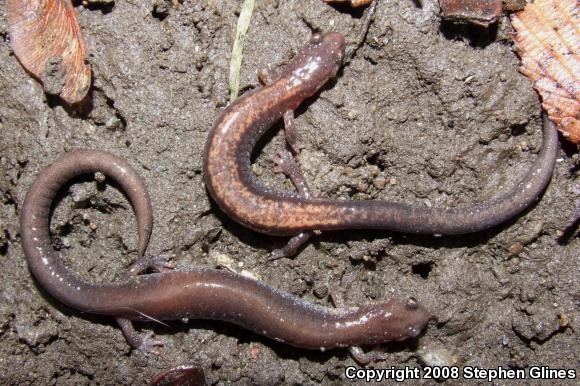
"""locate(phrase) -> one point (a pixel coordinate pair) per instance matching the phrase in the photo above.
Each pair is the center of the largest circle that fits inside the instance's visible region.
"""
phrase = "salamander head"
(395, 320)
(317, 62)
(331, 46)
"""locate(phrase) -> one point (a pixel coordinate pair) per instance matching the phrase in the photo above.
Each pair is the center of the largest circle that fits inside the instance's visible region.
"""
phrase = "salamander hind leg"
(145, 343)
(286, 164)
(156, 263)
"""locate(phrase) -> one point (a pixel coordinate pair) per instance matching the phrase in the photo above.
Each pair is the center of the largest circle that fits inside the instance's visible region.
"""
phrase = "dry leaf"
(353, 3)
(548, 41)
(46, 38)
(480, 12)
(182, 375)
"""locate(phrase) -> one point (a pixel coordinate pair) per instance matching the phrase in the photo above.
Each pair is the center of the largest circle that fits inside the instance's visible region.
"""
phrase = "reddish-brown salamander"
(200, 293)
(237, 191)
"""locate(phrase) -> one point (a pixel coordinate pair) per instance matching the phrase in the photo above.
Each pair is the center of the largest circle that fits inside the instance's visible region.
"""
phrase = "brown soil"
(425, 113)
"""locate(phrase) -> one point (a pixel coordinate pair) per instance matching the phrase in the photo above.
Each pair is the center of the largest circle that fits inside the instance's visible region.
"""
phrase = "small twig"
(362, 34)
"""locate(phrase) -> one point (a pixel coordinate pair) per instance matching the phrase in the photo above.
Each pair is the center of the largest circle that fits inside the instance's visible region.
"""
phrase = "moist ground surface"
(429, 114)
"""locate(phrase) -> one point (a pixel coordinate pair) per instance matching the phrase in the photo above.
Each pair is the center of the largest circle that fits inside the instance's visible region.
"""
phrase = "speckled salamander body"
(237, 191)
(200, 293)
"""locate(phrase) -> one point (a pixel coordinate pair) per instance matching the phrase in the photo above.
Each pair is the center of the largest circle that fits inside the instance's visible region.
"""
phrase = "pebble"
(320, 291)
(34, 335)
(435, 355)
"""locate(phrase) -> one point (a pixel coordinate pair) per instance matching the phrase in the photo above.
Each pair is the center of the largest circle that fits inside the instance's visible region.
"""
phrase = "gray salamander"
(199, 293)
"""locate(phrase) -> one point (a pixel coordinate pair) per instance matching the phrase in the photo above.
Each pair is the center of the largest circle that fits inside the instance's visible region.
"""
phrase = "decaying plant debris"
(547, 40)
(46, 38)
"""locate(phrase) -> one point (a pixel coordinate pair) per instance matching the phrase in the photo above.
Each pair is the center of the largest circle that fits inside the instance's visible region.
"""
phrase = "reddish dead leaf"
(180, 376)
(46, 38)
(481, 12)
(353, 3)
(548, 41)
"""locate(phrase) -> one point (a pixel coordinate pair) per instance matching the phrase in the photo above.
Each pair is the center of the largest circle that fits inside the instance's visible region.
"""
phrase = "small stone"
(257, 170)
(515, 249)
(379, 182)
(434, 355)
(100, 177)
(34, 335)
(218, 363)
(320, 291)
(564, 321)
(113, 123)
(374, 170)
(66, 242)
(362, 187)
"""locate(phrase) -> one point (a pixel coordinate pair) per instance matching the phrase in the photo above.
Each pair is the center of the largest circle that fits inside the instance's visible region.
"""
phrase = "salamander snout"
(331, 47)
(315, 64)
(395, 319)
(417, 317)
(414, 319)
(336, 45)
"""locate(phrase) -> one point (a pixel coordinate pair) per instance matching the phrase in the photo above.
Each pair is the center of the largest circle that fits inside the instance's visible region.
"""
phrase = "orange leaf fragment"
(47, 40)
(353, 3)
(548, 41)
(481, 12)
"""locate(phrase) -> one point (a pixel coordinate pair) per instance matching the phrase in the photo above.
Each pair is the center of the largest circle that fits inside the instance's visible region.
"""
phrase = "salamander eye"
(412, 304)
(316, 38)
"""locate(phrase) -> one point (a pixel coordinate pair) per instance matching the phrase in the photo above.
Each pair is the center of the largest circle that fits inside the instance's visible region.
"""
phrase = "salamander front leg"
(285, 163)
(364, 358)
(267, 77)
(292, 246)
(360, 357)
(572, 229)
(291, 133)
(144, 342)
